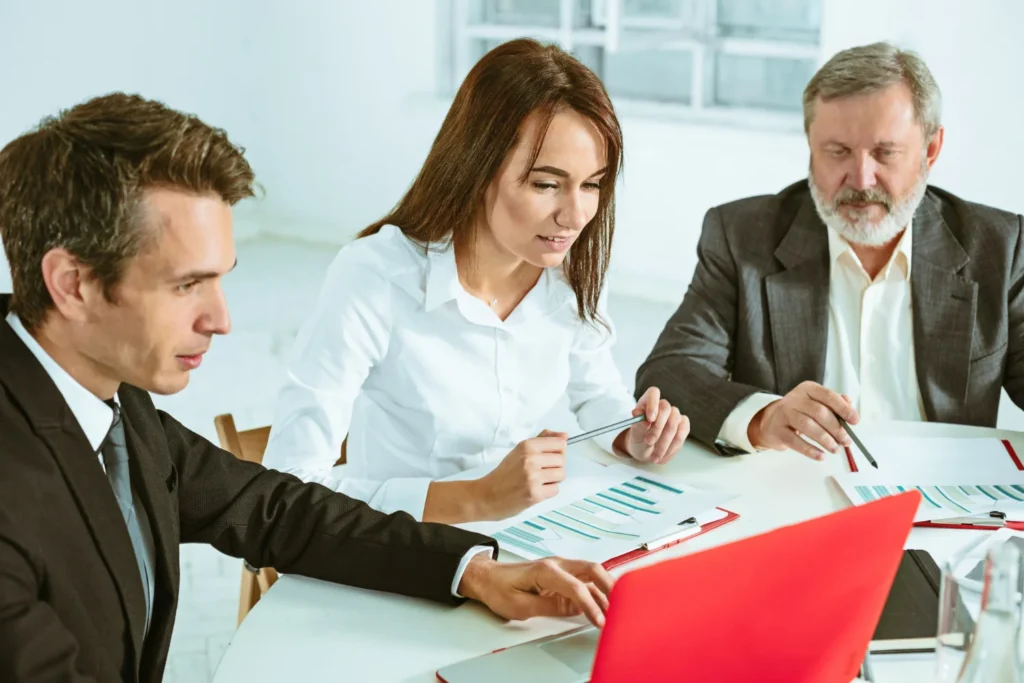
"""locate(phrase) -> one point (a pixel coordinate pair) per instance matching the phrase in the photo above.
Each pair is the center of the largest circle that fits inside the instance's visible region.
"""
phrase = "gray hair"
(870, 68)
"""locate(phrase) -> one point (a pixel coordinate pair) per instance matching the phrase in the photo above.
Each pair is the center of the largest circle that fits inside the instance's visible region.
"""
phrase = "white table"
(305, 629)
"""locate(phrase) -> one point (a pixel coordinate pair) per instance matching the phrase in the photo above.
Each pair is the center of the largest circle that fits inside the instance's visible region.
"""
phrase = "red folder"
(1017, 526)
(641, 552)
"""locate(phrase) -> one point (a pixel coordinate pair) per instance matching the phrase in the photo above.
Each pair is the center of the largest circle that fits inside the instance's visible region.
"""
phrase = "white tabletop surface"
(305, 629)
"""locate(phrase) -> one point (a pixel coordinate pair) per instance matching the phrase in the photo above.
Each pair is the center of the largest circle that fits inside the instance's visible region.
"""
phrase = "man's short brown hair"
(76, 182)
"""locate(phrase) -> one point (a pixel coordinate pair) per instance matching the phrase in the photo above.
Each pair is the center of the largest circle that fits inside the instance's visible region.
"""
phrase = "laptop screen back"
(797, 604)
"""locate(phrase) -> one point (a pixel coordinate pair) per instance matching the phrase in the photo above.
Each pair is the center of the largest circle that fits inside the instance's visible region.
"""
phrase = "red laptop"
(798, 604)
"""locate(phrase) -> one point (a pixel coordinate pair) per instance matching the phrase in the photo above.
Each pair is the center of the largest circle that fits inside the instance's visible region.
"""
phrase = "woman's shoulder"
(386, 257)
(388, 250)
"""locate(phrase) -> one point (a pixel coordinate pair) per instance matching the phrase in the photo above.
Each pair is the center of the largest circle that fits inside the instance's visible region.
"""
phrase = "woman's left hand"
(661, 436)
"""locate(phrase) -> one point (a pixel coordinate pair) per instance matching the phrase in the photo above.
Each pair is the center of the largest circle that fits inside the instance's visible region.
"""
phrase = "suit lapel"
(944, 306)
(54, 423)
(798, 302)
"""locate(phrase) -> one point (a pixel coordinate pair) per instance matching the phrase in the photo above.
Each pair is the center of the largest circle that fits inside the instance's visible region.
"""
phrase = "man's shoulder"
(766, 217)
(791, 196)
(972, 216)
(22, 451)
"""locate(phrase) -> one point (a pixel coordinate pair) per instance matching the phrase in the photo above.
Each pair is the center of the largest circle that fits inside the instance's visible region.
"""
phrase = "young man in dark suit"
(116, 219)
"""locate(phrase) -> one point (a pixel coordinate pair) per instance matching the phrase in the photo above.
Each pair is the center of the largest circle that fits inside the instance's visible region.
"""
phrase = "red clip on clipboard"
(643, 552)
(1016, 526)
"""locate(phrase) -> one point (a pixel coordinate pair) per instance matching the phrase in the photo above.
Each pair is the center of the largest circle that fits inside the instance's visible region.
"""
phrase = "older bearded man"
(860, 292)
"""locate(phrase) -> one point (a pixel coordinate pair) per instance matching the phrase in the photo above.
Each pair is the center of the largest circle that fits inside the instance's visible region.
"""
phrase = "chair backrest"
(249, 445)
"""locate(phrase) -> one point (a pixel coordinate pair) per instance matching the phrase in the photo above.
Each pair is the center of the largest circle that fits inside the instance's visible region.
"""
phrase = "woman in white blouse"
(453, 325)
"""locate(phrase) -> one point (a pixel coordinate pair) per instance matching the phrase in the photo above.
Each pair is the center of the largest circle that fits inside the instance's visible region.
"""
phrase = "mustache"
(849, 195)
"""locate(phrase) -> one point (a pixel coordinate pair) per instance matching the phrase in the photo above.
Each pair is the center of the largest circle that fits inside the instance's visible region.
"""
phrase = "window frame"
(457, 36)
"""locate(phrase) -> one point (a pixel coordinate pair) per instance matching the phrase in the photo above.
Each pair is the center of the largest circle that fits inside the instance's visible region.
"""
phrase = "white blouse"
(425, 379)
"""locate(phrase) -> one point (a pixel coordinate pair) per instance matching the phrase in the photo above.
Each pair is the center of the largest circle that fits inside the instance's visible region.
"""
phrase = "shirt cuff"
(734, 429)
(473, 552)
(607, 443)
(405, 494)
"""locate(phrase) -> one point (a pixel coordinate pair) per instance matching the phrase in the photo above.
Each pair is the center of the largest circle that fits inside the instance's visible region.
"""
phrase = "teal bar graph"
(597, 517)
(956, 500)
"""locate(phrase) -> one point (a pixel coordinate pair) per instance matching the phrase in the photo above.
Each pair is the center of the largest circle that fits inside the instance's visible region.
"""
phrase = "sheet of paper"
(940, 499)
(938, 460)
(600, 512)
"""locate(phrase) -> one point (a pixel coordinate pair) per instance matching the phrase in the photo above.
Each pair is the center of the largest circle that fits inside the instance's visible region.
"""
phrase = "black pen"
(860, 444)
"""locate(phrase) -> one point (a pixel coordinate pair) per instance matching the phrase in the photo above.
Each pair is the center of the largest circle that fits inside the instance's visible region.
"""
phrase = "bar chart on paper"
(608, 521)
(939, 501)
(600, 512)
(611, 514)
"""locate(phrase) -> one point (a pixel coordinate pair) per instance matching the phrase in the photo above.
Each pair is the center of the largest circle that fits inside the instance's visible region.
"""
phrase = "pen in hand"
(860, 444)
(618, 426)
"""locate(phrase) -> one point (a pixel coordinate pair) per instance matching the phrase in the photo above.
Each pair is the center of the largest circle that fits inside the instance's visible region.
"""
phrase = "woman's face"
(538, 221)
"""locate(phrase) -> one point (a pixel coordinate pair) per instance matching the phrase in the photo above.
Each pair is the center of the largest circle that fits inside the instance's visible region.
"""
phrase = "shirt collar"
(551, 292)
(901, 255)
(93, 415)
(442, 276)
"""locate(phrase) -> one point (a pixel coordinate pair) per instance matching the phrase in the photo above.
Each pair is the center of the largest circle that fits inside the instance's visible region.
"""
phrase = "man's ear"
(68, 282)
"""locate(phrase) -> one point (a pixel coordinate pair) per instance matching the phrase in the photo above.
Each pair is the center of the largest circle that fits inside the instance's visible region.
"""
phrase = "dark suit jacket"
(755, 317)
(71, 600)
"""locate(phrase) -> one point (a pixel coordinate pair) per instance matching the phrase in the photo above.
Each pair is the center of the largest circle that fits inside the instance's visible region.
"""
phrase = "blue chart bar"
(592, 519)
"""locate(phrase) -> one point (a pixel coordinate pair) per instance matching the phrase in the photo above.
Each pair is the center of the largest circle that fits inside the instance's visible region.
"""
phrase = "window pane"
(543, 13)
(761, 82)
(789, 20)
(660, 13)
(516, 12)
(658, 75)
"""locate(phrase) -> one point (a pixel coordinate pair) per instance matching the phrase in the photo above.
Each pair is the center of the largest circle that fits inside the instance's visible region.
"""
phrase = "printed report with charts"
(961, 481)
(601, 512)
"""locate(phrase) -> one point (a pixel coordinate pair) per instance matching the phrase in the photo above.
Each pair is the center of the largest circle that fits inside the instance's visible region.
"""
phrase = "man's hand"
(552, 587)
(661, 436)
(809, 409)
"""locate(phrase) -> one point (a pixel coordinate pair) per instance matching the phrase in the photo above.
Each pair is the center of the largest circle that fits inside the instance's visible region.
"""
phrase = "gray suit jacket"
(755, 317)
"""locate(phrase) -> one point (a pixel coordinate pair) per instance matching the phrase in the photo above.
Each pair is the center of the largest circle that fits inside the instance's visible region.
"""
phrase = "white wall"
(197, 56)
(345, 131)
(333, 101)
(192, 54)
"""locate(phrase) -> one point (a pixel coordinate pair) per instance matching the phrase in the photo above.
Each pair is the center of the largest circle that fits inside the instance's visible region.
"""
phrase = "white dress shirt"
(95, 418)
(425, 379)
(870, 351)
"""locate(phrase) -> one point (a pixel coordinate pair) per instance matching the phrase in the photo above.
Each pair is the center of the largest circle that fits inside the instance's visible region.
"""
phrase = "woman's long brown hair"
(511, 82)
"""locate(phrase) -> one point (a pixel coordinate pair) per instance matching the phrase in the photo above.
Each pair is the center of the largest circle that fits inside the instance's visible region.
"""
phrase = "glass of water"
(960, 605)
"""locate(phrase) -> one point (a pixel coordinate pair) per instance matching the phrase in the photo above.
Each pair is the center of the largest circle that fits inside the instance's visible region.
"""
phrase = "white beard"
(861, 229)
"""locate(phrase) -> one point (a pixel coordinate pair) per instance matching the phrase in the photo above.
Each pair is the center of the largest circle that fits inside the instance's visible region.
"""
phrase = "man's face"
(169, 303)
(869, 163)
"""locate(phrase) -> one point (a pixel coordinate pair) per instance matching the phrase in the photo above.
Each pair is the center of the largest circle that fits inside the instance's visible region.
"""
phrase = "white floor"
(270, 293)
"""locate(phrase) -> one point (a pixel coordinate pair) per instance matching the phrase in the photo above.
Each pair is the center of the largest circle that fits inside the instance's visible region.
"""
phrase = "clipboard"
(997, 522)
(643, 552)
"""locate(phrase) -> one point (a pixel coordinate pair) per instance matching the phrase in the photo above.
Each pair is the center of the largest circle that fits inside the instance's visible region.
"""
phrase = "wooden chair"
(249, 445)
